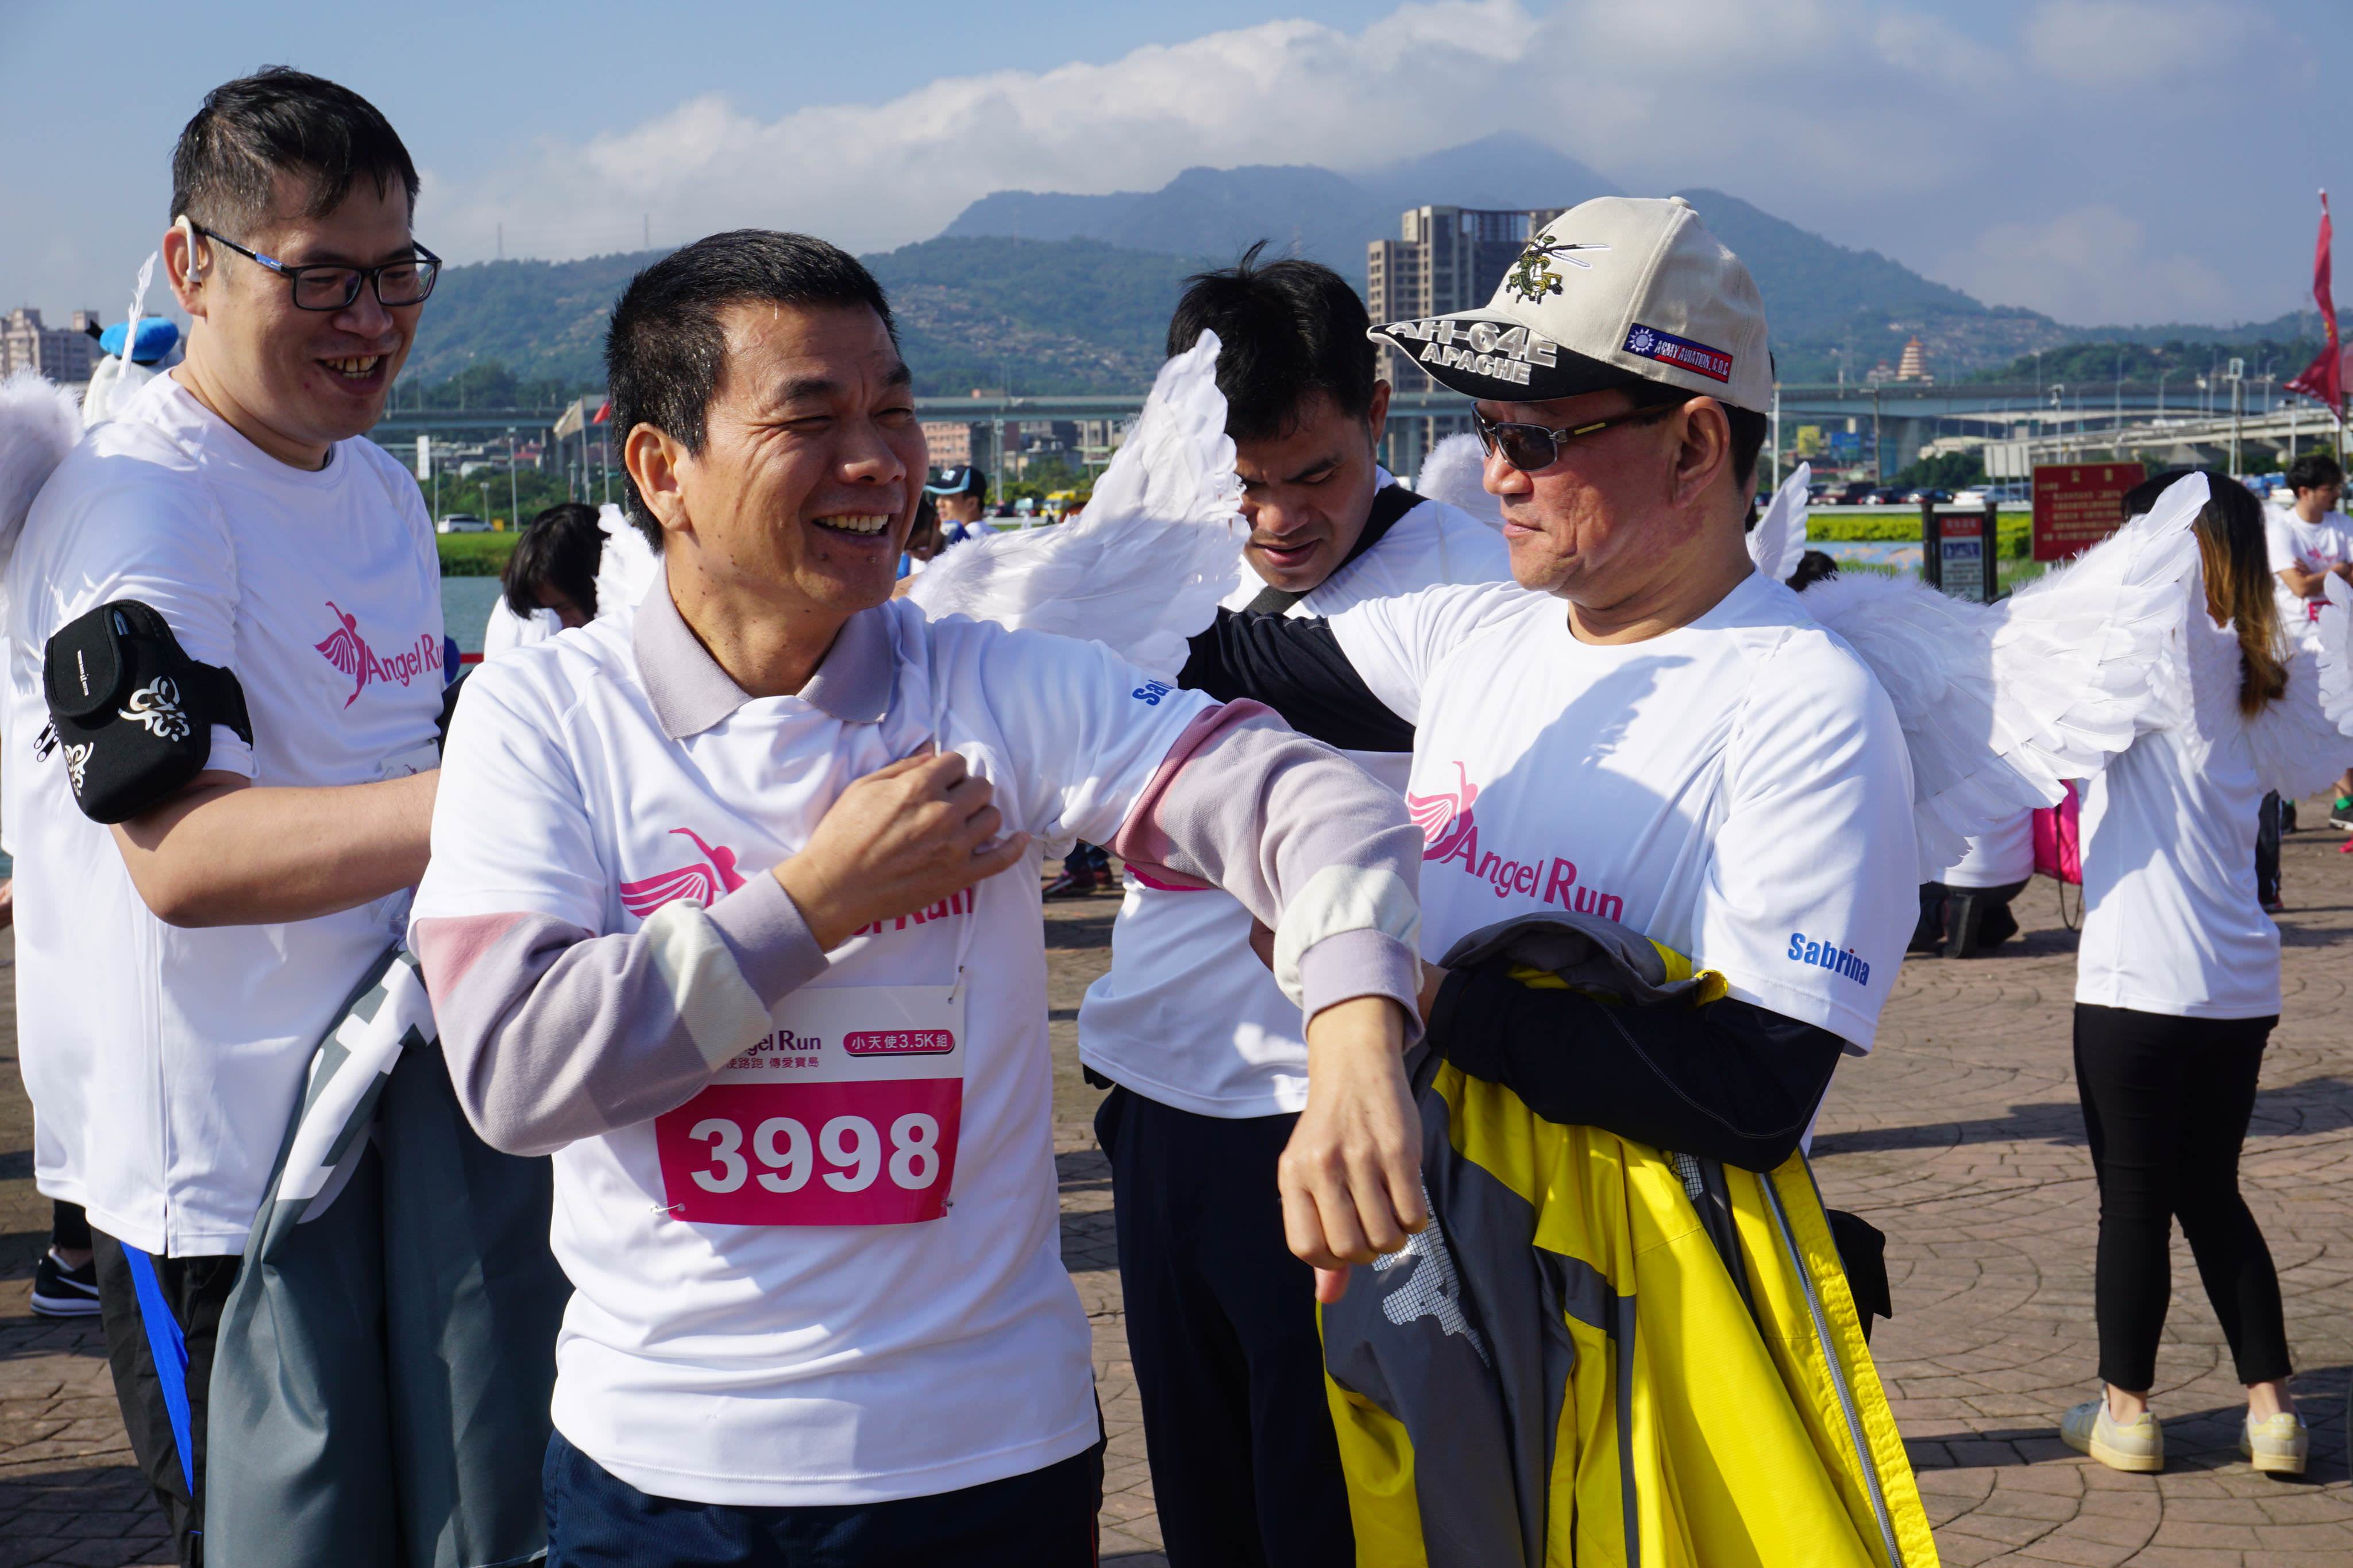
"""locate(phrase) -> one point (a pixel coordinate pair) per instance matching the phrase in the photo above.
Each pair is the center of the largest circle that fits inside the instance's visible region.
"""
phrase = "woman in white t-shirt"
(2177, 987)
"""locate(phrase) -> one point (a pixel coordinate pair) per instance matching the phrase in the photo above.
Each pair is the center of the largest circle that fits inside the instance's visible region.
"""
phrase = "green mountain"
(1069, 316)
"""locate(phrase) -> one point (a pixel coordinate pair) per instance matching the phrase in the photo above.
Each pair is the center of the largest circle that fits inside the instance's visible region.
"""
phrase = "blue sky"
(2101, 159)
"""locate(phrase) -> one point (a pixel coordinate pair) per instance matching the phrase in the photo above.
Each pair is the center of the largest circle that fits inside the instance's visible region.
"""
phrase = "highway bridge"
(1899, 420)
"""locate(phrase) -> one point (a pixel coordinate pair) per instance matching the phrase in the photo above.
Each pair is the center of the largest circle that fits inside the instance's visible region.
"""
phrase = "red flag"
(2323, 378)
(603, 412)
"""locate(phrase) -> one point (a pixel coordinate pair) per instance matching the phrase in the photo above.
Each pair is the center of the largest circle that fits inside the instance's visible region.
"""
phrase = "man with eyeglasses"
(177, 969)
(1644, 733)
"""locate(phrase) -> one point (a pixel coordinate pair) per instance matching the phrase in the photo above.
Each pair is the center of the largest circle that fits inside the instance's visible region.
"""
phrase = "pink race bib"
(846, 1113)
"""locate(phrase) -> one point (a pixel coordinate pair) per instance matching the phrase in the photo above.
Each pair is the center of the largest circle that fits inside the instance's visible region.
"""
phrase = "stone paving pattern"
(1959, 1137)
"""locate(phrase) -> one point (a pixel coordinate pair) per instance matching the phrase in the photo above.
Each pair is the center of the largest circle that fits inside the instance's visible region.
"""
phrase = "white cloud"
(1707, 91)
(1880, 122)
(2129, 43)
(2091, 266)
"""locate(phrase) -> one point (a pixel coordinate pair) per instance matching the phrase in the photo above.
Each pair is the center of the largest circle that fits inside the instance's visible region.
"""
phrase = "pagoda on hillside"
(1915, 363)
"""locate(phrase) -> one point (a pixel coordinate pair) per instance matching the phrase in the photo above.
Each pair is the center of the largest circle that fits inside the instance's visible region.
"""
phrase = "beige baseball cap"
(1618, 290)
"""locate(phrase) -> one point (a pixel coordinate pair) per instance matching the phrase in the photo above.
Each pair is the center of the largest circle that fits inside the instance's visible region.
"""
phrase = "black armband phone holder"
(132, 712)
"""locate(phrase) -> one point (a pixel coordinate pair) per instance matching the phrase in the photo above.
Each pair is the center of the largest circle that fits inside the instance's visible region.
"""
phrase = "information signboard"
(1961, 553)
(2076, 505)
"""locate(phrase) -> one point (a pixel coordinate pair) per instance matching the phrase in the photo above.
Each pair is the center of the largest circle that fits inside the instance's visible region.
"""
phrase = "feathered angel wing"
(1779, 537)
(1452, 474)
(2000, 703)
(627, 568)
(1143, 567)
(39, 424)
(2304, 738)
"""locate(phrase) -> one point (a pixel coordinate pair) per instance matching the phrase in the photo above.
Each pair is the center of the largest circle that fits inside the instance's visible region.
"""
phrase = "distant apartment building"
(954, 442)
(1449, 259)
(67, 354)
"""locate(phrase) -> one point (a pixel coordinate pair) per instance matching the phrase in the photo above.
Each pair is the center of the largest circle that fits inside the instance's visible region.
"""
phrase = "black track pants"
(160, 1316)
(2166, 1103)
(1222, 1328)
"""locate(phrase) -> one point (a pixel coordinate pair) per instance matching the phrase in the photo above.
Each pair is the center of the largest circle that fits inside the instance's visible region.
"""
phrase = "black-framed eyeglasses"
(1532, 448)
(328, 287)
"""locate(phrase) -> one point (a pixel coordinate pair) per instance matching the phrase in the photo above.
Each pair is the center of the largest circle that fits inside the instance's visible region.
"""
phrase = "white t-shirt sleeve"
(147, 532)
(1394, 643)
(510, 828)
(1811, 891)
(1084, 730)
(2279, 538)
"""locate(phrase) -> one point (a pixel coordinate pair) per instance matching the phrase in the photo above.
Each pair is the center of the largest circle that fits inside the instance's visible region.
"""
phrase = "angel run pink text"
(1554, 880)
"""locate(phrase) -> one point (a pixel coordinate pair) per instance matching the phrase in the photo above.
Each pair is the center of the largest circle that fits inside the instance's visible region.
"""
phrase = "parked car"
(1926, 493)
(461, 522)
(1890, 495)
(1856, 494)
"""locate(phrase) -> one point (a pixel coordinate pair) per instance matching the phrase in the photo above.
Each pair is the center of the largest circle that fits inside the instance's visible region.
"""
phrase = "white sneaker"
(2135, 1447)
(2276, 1444)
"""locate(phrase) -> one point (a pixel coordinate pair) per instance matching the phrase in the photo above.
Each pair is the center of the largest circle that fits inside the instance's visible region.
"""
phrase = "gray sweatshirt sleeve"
(553, 1033)
(1311, 845)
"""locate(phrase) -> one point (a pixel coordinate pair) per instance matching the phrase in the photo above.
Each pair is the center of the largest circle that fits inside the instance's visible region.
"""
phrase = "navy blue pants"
(1044, 1519)
(1221, 1328)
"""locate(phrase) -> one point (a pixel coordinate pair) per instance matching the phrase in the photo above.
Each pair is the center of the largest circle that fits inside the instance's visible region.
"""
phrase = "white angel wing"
(1779, 537)
(2302, 738)
(1452, 474)
(2000, 703)
(1143, 567)
(39, 424)
(628, 566)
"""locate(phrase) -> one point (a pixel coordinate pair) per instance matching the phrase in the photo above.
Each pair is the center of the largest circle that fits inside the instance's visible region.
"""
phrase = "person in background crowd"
(1965, 909)
(176, 971)
(961, 493)
(922, 541)
(64, 1282)
(2307, 544)
(549, 583)
(2177, 986)
(1086, 870)
(1203, 1054)
(819, 1312)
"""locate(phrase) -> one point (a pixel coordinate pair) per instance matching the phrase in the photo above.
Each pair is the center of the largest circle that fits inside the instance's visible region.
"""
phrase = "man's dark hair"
(666, 349)
(2313, 472)
(1286, 330)
(225, 169)
(559, 550)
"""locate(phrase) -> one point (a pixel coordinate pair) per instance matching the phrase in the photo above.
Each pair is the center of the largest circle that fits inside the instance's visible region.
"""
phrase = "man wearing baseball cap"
(959, 492)
(1652, 740)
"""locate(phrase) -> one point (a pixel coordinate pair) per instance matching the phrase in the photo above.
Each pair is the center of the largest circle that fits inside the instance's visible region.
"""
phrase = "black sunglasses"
(1532, 448)
(327, 287)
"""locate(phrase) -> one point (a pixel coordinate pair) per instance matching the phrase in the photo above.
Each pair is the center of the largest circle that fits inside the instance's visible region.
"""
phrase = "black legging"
(2166, 1103)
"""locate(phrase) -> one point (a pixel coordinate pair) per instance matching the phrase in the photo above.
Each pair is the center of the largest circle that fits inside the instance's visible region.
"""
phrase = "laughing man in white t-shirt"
(714, 915)
(1657, 736)
(176, 971)
(2309, 544)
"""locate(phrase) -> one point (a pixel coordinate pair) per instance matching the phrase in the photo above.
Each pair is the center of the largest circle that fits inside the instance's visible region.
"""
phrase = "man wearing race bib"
(715, 915)
(1655, 737)
(1205, 1050)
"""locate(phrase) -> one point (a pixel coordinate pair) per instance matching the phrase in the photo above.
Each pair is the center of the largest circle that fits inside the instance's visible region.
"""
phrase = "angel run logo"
(348, 651)
(1451, 838)
(701, 880)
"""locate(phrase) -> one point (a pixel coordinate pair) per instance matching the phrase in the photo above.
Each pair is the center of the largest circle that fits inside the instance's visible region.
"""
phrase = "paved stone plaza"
(1959, 1138)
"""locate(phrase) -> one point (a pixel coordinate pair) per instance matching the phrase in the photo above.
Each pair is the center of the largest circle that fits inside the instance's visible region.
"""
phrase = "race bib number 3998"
(846, 1113)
